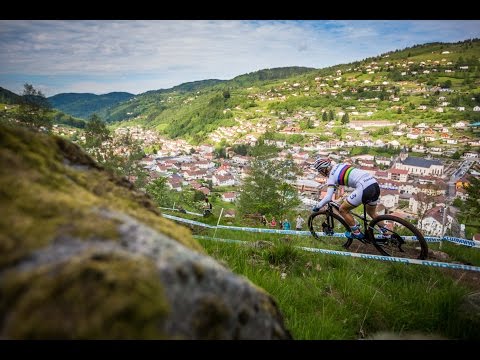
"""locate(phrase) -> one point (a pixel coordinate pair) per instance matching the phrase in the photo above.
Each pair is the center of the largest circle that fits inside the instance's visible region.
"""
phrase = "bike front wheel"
(401, 239)
(326, 224)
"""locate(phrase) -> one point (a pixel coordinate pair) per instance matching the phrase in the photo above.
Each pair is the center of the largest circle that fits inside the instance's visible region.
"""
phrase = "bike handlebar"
(334, 204)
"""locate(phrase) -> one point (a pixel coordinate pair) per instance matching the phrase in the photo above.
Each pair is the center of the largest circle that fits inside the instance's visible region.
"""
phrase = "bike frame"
(333, 205)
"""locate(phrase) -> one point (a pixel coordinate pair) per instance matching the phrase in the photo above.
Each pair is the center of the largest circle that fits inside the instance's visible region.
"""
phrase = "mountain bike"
(401, 239)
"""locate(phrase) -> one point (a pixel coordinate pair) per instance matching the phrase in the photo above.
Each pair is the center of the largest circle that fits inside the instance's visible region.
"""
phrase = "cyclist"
(207, 208)
(366, 191)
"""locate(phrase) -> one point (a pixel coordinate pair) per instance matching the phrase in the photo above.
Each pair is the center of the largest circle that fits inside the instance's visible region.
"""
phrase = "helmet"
(322, 163)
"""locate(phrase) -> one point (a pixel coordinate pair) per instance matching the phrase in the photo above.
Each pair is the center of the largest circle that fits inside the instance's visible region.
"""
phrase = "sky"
(135, 56)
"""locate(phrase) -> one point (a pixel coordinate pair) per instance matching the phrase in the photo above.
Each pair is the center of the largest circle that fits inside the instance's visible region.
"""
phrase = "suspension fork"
(330, 217)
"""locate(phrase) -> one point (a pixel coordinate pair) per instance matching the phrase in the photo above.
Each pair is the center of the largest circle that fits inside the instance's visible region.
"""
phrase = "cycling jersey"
(347, 175)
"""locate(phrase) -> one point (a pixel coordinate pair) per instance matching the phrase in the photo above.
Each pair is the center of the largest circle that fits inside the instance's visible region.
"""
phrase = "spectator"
(264, 220)
(273, 223)
(181, 209)
(286, 224)
(299, 223)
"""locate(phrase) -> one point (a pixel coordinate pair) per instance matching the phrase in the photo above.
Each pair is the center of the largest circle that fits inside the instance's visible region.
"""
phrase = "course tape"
(362, 256)
(187, 221)
(465, 242)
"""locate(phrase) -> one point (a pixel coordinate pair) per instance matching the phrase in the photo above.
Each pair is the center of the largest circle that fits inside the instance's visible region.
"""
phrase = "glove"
(315, 208)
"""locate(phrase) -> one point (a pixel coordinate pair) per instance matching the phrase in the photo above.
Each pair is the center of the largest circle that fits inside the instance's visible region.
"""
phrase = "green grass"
(331, 297)
(457, 252)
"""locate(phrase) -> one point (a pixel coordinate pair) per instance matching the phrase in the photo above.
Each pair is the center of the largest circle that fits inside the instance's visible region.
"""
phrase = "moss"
(41, 196)
(90, 297)
(37, 214)
(37, 150)
(74, 154)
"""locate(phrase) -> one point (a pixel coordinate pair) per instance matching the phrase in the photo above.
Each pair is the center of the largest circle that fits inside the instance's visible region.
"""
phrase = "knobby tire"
(415, 250)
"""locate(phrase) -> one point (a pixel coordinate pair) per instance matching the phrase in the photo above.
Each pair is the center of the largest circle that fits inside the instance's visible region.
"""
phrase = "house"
(204, 190)
(420, 202)
(195, 184)
(389, 198)
(386, 183)
(229, 196)
(226, 180)
(307, 186)
(174, 183)
(436, 222)
(439, 187)
(230, 213)
(470, 155)
(461, 193)
(241, 160)
(382, 161)
(399, 175)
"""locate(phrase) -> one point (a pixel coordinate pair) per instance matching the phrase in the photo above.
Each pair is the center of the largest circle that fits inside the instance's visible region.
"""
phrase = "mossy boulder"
(83, 255)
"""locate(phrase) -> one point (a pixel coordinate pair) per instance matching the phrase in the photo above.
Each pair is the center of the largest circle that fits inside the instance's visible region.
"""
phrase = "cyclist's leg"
(345, 209)
(370, 199)
(372, 210)
(350, 203)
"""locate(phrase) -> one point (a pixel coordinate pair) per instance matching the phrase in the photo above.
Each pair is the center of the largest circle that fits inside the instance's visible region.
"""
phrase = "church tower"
(403, 154)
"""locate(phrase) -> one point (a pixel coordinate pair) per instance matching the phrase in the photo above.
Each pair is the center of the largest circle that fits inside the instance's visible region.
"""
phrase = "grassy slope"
(325, 297)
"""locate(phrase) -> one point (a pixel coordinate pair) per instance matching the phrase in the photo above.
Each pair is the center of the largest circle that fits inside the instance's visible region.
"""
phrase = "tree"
(96, 132)
(34, 109)
(220, 152)
(262, 150)
(338, 132)
(447, 84)
(240, 149)
(267, 189)
(124, 162)
(425, 201)
(325, 116)
(456, 155)
(127, 162)
(305, 125)
(345, 119)
(331, 115)
(159, 191)
(472, 205)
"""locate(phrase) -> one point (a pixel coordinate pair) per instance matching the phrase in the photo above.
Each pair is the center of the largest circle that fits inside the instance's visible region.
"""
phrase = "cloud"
(132, 55)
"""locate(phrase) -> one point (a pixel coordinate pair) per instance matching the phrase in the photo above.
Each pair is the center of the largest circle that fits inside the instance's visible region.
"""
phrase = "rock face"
(85, 256)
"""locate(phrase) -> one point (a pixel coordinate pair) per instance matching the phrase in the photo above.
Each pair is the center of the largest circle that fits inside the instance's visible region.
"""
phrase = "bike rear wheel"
(402, 239)
(328, 224)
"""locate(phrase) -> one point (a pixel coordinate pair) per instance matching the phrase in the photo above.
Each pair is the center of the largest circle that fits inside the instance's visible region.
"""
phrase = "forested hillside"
(8, 97)
(436, 82)
(28, 105)
(85, 105)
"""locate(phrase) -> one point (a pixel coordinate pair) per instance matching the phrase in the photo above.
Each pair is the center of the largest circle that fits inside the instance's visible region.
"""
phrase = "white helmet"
(322, 163)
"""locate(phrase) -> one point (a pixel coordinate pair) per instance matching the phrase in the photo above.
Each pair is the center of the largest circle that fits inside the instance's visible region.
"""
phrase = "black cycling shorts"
(371, 194)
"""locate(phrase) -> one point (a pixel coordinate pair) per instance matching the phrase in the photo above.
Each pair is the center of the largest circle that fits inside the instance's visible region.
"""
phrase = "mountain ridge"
(197, 108)
(84, 105)
(396, 85)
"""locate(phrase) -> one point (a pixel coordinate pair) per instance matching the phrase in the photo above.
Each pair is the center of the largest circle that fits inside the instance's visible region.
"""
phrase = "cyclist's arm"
(328, 197)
